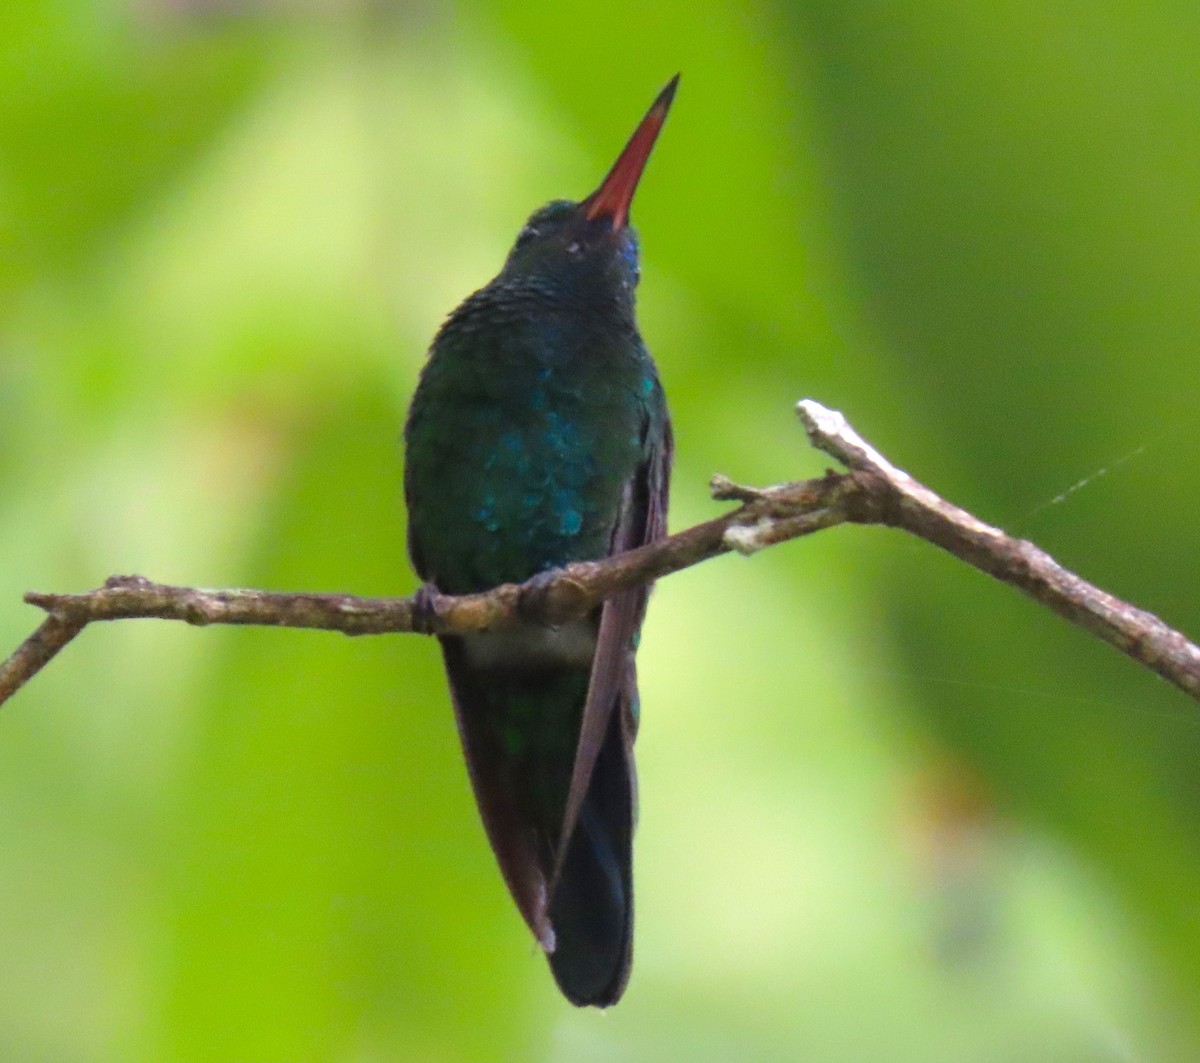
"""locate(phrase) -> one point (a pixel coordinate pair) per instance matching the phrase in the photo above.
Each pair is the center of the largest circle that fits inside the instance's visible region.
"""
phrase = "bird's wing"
(642, 519)
(514, 844)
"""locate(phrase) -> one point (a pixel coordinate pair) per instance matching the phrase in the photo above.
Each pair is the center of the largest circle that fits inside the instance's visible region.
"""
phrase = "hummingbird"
(538, 436)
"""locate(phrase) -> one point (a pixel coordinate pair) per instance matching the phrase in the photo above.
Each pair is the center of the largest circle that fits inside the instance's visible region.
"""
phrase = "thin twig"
(33, 654)
(872, 492)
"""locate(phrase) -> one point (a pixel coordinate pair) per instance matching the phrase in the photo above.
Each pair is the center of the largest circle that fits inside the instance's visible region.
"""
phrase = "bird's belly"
(571, 645)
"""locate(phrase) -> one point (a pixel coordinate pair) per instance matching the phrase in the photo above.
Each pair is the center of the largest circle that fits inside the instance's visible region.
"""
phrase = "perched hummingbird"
(539, 436)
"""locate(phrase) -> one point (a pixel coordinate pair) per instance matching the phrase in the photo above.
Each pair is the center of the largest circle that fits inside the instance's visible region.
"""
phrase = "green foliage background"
(890, 811)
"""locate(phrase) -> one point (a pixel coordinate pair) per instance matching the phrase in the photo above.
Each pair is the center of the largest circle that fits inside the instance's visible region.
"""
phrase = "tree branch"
(909, 505)
(872, 492)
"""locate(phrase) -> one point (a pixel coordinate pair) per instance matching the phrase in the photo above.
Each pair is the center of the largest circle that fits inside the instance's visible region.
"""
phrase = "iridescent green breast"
(526, 429)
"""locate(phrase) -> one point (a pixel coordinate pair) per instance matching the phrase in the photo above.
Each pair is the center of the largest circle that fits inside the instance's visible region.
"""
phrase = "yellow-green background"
(890, 811)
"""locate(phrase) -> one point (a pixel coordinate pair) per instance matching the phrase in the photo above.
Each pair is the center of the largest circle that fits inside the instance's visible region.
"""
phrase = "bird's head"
(589, 248)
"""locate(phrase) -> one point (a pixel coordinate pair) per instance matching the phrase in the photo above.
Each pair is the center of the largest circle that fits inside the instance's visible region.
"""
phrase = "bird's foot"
(551, 598)
(533, 605)
(425, 608)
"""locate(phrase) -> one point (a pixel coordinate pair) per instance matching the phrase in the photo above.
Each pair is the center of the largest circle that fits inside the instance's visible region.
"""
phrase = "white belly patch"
(568, 644)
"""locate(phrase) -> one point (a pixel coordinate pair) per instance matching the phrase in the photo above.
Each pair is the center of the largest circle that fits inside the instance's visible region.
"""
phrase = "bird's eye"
(573, 249)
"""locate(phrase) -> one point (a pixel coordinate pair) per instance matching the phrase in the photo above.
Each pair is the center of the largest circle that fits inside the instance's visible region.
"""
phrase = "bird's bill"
(611, 200)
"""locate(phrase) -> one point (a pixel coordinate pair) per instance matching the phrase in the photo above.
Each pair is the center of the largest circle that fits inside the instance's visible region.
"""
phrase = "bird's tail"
(591, 909)
(519, 728)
